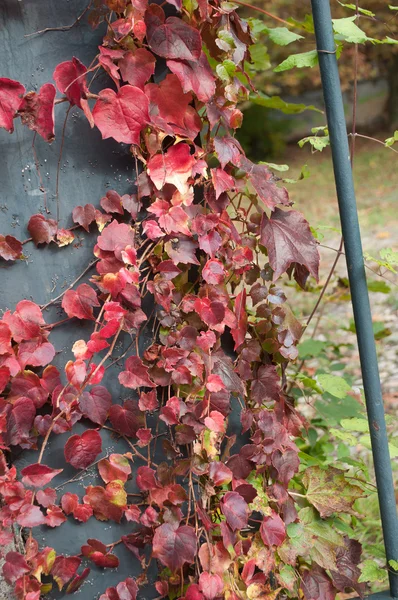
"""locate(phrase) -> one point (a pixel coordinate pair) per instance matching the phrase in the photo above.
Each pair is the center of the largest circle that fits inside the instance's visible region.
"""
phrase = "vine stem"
(263, 12)
(62, 27)
(53, 300)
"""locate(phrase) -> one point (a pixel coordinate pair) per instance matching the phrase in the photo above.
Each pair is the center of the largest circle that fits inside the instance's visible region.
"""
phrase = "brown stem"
(264, 12)
(62, 27)
(53, 300)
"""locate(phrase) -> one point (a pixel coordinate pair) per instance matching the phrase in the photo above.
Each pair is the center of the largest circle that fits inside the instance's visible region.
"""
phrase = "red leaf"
(195, 76)
(136, 374)
(95, 404)
(125, 590)
(76, 582)
(15, 566)
(20, 421)
(5, 339)
(10, 247)
(126, 419)
(136, 68)
(37, 111)
(170, 108)
(174, 167)
(148, 401)
(55, 517)
(97, 552)
(115, 237)
(11, 94)
(4, 377)
(42, 230)
(239, 333)
(116, 467)
(222, 181)
(211, 586)
(108, 503)
(174, 546)
(288, 239)
(213, 272)
(211, 312)
(146, 479)
(173, 39)
(69, 502)
(35, 353)
(228, 150)
(235, 510)
(266, 385)
(182, 250)
(82, 513)
(38, 475)
(272, 530)
(46, 497)
(316, 585)
(220, 473)
(31, 516)
(263, 182)
(112, 202)
(25, 322)
(84, 215)
(81, 450)
(121, 115)
(64, 569)
(71, 80)
(80, 302)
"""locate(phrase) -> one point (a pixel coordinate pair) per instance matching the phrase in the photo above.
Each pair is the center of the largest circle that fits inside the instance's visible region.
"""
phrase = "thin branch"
(372, 139)
(62, 27)
(264, 12)
(53, 300)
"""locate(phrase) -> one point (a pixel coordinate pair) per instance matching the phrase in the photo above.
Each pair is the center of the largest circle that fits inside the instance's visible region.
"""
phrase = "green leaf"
(392, 7)
(190, 5)
(333, 410)
(276, 102)
(329, 491)
(389, 40)
(334, 385)
(311, 348)
(349, 31)
(389, 256)
(312, 538)
(309, 382)
(318, 142)
(304, 59)
(371, 572)
(287, 577)
(226, 70)
(283, 36)
(393, 564)
(259, 57)
(257, 27)
(355, 424)
(363, 11)
(344, 436)
(379, 286)
(391, 140)
(304, 173)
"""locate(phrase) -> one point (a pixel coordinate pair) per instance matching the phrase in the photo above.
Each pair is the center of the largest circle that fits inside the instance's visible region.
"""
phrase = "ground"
(375, 180)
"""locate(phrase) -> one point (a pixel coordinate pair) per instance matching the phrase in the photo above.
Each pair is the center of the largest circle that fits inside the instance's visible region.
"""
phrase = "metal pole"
(356, 273)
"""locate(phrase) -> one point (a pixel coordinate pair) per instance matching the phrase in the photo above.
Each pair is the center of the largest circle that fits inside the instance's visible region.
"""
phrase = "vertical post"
(356, 273)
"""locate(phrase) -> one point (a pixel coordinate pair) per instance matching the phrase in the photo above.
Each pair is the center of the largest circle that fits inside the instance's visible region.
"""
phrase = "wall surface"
(89, 166)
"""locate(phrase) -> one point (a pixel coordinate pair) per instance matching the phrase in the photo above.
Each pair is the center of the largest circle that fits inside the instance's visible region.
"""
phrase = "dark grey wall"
(90, 166)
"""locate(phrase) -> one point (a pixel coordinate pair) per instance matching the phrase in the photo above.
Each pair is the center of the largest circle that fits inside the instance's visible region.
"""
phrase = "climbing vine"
(207, 234)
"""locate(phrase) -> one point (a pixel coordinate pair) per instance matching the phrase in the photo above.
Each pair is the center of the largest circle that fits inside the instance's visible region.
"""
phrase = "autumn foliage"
(207, 234)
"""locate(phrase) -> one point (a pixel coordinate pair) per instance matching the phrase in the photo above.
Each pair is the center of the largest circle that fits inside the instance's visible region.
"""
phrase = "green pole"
(356, 273)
